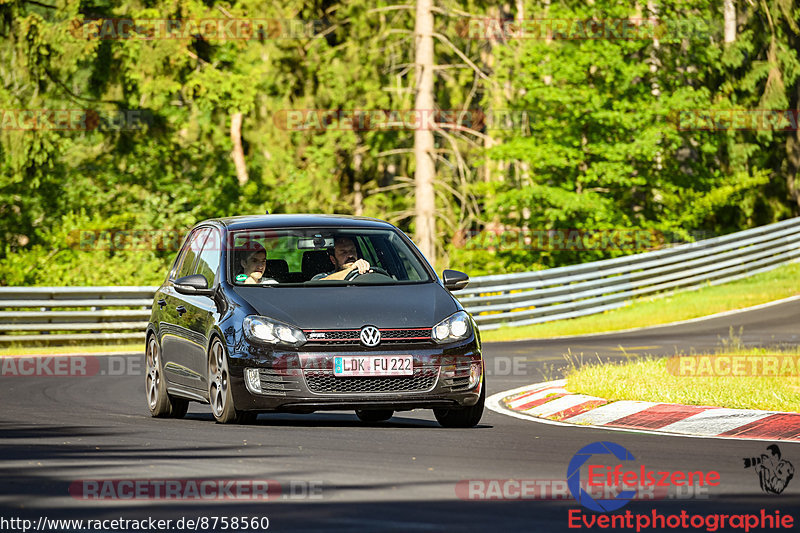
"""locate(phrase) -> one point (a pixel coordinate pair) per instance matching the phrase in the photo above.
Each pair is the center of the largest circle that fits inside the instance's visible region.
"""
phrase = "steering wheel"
(372, 270)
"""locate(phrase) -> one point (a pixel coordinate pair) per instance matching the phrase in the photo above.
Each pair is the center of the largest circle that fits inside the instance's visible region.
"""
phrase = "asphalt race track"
(338, 474)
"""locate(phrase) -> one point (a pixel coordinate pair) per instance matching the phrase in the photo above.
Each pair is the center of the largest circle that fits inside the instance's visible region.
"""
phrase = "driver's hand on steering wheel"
(361, 265)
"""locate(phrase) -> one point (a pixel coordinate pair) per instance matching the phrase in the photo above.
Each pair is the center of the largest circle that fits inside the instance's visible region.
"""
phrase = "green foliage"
(601, 150)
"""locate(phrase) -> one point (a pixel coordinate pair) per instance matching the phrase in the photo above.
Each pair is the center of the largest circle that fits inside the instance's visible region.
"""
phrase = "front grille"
(333, 335)
(352, 336)
(406, 334)
(324, 382)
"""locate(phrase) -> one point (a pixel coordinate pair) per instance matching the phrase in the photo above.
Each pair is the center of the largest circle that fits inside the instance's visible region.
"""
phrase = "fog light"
(474, 374)
(252, 379)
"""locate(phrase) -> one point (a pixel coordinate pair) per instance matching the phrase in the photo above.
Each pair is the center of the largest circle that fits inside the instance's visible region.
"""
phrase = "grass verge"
(761, 288)
(660, 380)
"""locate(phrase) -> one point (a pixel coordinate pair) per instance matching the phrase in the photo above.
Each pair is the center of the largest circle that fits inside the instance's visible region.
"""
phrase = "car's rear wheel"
(466, 417)
(160, 403)
(219, 390)
(374, 415)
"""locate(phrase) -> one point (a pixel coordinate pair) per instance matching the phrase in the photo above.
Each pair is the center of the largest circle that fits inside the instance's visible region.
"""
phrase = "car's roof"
(299, 220)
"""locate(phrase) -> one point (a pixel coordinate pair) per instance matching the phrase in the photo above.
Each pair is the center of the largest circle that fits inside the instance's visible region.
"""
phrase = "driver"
(345, 259)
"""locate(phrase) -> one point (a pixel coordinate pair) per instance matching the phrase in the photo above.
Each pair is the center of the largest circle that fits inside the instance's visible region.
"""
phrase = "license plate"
(373, 365)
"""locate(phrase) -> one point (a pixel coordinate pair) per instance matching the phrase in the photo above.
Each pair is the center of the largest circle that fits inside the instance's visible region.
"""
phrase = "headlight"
(453, 328)
(263, 329)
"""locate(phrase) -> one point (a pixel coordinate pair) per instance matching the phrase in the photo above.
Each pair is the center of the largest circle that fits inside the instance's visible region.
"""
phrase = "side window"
(368, 251)
(411, 273)
(189, 253)
(208, 262)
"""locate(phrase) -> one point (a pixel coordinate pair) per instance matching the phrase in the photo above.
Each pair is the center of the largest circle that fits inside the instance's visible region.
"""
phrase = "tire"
(219, 390)
(466, 417)
(374, 415)
(160, 403)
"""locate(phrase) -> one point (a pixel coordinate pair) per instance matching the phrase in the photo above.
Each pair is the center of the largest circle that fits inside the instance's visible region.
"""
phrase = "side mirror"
(195, 285)
(454, 280)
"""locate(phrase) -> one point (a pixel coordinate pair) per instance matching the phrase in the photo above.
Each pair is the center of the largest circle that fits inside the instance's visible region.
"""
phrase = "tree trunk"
(358, 196)
(792, 164)
(425, 204)
(490, 168)
(793, 169)
(238, 151)
(729, 13)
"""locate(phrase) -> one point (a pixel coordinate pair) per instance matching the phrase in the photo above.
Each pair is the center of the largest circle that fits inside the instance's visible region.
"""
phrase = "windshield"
(323, 256)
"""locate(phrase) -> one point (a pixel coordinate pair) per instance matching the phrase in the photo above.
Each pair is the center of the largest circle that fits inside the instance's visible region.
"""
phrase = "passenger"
(251, 261)
(344, 260)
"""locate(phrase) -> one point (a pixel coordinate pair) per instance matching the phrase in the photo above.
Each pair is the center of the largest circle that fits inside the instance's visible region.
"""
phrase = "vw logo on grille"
(370, 336)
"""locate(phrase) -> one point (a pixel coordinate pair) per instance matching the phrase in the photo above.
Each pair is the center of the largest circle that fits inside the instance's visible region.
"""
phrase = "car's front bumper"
(303, 380)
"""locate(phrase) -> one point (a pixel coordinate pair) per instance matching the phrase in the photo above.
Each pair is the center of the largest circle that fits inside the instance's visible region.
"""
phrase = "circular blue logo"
(574, 477)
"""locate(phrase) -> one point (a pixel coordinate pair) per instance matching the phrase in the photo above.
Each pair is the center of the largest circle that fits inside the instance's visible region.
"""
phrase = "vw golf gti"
(301, 313)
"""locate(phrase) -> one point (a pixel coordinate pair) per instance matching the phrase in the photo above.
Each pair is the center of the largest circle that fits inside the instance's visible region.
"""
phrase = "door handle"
(180, 309)
(161, 303)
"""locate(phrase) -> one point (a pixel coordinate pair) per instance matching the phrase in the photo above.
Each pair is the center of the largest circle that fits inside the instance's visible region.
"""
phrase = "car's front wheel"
(466, 417)
(374, 415)
(160, 403)
(219, 389)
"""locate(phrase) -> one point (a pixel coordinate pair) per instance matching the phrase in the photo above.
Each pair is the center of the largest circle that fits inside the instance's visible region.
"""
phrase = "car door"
(202, 312)
(178, 340)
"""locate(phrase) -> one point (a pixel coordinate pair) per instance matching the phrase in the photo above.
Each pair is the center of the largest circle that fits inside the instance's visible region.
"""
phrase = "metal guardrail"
(585, 289)
(57, 314)
(50, 314)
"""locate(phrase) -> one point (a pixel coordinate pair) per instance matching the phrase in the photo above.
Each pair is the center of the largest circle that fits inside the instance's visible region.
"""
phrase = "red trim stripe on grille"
(386, 333)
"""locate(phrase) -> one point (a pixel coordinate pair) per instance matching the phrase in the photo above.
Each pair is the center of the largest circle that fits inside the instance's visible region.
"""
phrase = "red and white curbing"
(550, 402)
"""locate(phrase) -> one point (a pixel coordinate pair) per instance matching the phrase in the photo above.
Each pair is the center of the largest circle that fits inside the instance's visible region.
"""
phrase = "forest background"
(504, 137)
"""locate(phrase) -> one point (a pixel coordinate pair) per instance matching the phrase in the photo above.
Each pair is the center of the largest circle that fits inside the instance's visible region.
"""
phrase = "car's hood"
(345, 307)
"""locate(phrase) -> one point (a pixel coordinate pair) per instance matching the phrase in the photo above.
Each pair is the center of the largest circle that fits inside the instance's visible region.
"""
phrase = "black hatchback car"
(299, 313)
